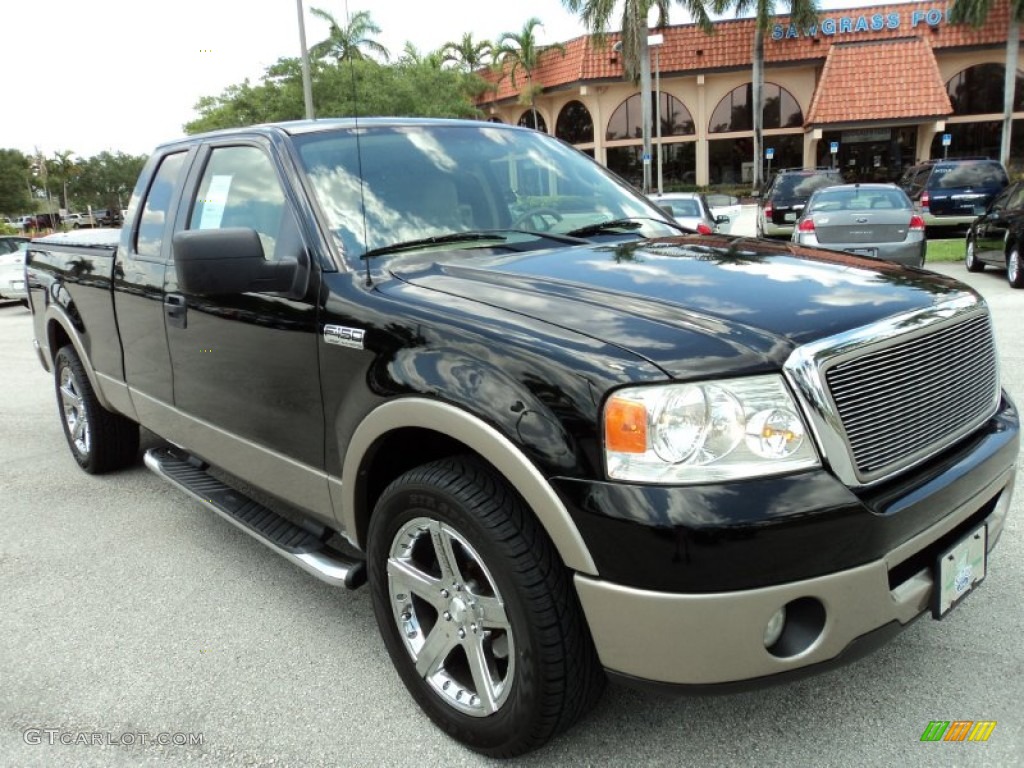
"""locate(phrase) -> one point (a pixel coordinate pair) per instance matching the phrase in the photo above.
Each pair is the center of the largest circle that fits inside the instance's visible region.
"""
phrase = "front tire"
(971, 260)
(100, 441)
(1014, 269)
(476, 610)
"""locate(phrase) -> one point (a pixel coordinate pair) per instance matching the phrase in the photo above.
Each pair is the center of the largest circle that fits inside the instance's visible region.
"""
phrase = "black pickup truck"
(561, 439)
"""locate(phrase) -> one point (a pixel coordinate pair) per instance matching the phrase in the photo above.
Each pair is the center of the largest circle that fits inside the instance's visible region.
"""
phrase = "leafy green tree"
(14, 182)
(414, 86)
(975, 12)
(520, 51)
(346, 42)
(106, 180)
(468, 54)
(802, 13)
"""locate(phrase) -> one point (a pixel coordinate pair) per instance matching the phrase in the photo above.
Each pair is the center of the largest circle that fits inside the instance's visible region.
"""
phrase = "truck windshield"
(427, 182)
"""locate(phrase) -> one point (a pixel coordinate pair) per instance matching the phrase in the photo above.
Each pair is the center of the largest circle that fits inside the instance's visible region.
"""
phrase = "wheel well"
(392, 455)
(57, 338)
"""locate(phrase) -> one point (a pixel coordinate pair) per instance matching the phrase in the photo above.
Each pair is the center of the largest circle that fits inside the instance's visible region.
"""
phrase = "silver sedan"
(691, 210)
(870, 219)
(12, 268)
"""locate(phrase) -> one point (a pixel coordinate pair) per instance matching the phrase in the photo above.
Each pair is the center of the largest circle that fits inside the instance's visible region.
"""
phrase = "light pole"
(307, 84)
(655, 41)
(645, 109)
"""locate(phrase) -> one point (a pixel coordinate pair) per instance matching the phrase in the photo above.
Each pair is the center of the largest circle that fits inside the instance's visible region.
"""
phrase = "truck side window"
(150, 234)
(240, 189)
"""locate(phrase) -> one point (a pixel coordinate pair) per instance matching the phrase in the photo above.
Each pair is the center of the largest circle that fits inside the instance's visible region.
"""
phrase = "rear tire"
(1014, 269)
(477, 611)
(971, 260)
(100, 441)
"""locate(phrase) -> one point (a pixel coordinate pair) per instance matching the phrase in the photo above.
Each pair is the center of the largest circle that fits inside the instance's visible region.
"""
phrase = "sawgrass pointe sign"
(830, 26)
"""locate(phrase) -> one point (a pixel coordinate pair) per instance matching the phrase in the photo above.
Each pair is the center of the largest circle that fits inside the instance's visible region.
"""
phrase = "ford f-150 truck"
(560, 439)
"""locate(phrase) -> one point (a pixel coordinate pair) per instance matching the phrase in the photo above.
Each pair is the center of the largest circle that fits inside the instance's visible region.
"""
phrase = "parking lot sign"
(833, 147)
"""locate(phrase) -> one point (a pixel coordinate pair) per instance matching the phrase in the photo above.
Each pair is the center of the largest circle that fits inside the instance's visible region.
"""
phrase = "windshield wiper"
(493, 235)
(454, 237)
(629, 224)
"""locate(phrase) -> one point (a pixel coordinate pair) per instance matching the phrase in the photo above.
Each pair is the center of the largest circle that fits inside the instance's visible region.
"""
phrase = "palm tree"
(468, 54)
(802, 13)
(413, 56)
(596, 14)
(520, 51)
(975, 12)
(346, 42)
(64, 169)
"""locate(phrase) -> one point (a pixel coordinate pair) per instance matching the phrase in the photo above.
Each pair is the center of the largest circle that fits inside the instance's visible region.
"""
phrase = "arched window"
(526, 120)
(735, 112)
(978, 90)
(574, 124)
(627, 120)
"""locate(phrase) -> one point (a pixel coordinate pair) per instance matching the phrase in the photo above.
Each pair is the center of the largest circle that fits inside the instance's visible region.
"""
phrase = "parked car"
(691, 210)
(996, 237)
(724, 205)
(683, 461)
(952, 193)
(24, 222)
(107, 217)
(870, 219)
(77, 220)
(786, 196)
(12, 268)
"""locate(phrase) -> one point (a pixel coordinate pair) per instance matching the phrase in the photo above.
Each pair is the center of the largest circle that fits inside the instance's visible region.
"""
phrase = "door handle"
(176, 310)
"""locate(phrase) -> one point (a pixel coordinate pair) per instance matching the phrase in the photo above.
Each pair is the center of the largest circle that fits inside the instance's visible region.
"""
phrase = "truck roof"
(300, 127)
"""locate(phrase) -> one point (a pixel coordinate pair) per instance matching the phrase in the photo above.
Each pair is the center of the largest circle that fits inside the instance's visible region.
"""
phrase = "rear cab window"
(149, 235)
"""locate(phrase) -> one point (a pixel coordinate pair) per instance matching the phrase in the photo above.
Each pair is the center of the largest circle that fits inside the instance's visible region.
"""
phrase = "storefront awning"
(880, 80)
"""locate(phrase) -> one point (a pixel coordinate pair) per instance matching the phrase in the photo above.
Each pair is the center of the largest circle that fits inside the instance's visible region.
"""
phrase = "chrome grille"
(909, 399)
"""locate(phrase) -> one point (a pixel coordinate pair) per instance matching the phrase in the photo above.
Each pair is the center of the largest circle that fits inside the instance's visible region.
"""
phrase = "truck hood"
(693, 306)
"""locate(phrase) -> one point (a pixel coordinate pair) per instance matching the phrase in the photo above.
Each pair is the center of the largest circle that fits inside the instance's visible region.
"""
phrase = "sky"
(124, 75)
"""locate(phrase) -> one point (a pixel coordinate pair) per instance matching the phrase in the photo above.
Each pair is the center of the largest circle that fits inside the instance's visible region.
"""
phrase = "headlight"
(705, 432)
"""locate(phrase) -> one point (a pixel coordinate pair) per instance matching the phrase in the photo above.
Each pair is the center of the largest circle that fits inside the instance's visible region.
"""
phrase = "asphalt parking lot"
(128, 609)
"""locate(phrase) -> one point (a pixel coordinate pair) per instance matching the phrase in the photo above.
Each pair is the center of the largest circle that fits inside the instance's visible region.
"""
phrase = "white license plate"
(789, 217)
(959, 570)
(865, 251)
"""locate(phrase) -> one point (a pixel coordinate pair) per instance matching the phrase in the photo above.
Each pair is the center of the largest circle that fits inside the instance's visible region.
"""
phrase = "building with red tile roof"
(881, 85)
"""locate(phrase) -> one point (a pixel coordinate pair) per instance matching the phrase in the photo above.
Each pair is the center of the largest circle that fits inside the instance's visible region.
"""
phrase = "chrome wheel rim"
(451, 617)
(1013, 267)
(970, 253)
(75, 416)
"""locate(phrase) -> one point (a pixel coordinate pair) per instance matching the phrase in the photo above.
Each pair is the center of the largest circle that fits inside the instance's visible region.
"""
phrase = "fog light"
(774, 629)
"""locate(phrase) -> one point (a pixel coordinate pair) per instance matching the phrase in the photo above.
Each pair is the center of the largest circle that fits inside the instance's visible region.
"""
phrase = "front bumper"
(690, 576)
(715, 639)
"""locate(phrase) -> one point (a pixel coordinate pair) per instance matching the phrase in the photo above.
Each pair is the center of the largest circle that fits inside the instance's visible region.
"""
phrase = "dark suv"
(786, 197)
(952, 193)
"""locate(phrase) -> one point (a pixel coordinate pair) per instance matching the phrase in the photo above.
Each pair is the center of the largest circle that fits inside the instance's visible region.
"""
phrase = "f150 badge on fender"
(346, 337)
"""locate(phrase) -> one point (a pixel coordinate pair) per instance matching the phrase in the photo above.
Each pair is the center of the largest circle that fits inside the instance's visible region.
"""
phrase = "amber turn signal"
(625, 426)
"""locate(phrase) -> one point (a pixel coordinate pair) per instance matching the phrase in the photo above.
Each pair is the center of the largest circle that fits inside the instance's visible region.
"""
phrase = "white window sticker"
(214, 202)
